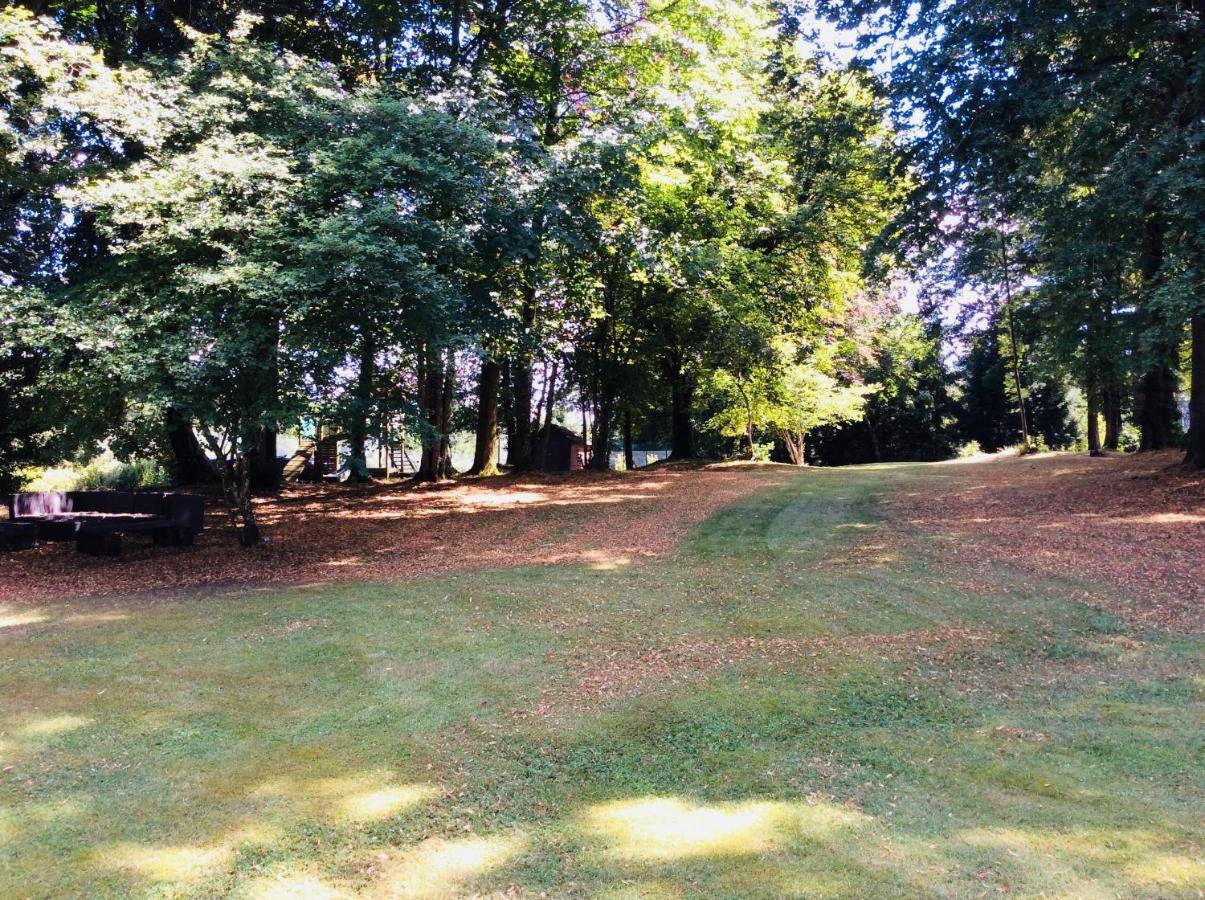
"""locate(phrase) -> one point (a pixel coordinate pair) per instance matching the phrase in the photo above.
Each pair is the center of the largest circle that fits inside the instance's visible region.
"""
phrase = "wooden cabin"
(567, 451)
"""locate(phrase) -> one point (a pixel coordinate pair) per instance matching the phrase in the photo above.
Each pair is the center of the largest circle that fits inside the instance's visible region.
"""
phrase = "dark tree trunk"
(875, 447)
(1092, 391)
(1111, 407)
(485, 453)
(600, 459)
(358, 437)
(629, 458)
(1196, 400)
(506, 404)
(446, 469)
(519, 445)
(191, 464)
(1155, 407)
(265, 467)
(541, 458)
(1155, 400)
(431, 383)
(682, 434)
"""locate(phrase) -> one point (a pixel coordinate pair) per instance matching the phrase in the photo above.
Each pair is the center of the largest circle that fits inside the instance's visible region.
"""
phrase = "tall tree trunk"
(431, 382)
(446, 469)
(358, 437)
(1110, 402)
(1092, 391)
(192, 466)
(600, 459)
(506, 404)
(629, 457)
(541, 458)
(519, 445)
(485, 452)
(519, 449)
(1196, 400)
(1155, 400)
(264, 467)
(682, 435)
(875, 446)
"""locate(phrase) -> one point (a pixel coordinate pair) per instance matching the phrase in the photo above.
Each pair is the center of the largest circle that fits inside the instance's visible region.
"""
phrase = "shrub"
(969, 449)
(101, 473)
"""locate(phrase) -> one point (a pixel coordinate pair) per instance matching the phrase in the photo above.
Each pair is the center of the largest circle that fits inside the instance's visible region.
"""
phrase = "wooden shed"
(566, 450)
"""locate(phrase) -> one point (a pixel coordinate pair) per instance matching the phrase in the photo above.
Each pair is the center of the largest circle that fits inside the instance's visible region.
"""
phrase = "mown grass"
(432, 738)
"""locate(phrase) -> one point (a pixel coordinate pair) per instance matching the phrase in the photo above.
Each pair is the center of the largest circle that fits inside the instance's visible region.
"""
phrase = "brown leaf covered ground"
(1136, 523)
(321, 533)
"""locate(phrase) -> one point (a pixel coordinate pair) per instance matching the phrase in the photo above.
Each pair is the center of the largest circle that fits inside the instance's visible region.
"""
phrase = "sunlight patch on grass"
(604, 561)
(96, 618)
(53, 725)
(1169, 869)
(181, 864)
(358, 799)
(11, 618)
(668, 828)
(439, 867)
(294, 886)
(386, 801)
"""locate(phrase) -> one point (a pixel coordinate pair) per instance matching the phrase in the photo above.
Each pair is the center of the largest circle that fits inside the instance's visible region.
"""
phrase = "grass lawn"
(798, 702)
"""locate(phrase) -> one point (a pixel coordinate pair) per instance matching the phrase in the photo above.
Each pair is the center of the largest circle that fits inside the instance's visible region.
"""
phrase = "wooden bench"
(17, 535)
(95, 520)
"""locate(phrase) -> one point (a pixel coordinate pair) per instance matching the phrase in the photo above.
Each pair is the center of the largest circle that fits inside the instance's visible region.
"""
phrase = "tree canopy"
(685, 222)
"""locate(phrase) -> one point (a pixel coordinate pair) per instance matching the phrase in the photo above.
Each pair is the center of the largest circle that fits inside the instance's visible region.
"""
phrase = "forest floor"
(900, 680)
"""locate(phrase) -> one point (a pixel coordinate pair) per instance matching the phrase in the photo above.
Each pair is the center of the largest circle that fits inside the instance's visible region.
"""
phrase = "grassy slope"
(381, 737)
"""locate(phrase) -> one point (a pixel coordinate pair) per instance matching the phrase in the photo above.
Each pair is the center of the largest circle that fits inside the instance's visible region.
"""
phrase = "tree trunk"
(248, 535)
(265, 468)
(794, 442)
(1196, 400)
(1155, 401)
(358, 437)
(519, 445)
(541, 459)
(485, 453)
(600, 459)
(431, 383)
(629, 458)
(1111, 407)
(874, 439)
(235, 473)
(1155, 406)
(446, 469)
(192, 466)
(1092, 391)
(682, 435)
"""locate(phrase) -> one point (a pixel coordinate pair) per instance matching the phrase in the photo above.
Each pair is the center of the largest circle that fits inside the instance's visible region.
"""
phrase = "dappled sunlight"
(604, 561)
(350, 799)
(1160, 869)
(293, 886)
(439, 867)
(96, 618)
(668, 828)
(171, 864)
(1164, 519)
(1115, 846)
(53, 726)
(385, 802)
(11, 618)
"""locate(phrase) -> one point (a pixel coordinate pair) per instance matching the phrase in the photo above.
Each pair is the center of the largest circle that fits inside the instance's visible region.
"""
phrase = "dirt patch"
(1135, 522)
(318, 534)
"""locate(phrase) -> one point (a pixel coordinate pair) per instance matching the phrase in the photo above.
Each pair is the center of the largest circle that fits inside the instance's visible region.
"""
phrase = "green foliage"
(102, 473)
